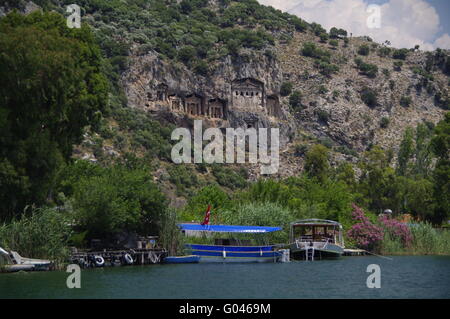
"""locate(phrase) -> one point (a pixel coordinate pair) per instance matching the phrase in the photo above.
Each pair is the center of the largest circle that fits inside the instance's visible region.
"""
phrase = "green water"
(402, 277)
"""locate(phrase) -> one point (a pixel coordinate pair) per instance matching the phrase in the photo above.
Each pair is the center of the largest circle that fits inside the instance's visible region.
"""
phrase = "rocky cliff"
(225, 62)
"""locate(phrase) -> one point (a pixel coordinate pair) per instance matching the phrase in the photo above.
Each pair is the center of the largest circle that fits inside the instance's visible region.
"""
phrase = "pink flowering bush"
(366, 234)
(396, 229)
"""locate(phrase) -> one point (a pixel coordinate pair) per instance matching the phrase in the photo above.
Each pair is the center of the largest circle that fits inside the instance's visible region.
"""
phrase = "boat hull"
(182, 259)
(235, 254)
(330, 251)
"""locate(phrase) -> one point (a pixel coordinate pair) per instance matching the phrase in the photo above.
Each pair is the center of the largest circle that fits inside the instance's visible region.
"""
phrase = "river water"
(402, 277)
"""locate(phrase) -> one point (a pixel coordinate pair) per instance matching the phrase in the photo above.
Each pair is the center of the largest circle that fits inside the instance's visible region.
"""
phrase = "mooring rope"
(388, 258)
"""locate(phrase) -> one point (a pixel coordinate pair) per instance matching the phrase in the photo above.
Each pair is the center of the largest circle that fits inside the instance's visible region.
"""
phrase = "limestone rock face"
(239, 93)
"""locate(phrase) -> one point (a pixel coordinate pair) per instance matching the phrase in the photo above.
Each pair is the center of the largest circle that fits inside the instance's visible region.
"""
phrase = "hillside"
(171, 62)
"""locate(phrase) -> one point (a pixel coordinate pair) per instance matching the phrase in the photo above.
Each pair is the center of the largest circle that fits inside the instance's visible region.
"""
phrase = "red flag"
(207, 215)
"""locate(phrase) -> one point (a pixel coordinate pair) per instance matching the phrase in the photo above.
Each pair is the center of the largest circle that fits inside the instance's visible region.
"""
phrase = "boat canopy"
(228, 228)
(315, 222)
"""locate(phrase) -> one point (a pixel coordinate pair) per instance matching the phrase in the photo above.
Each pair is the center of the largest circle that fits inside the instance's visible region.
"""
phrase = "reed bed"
(426, 240)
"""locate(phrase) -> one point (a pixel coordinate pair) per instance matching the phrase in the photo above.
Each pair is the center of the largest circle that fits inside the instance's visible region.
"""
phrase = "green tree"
(405, 152)
(378, 181)
(209, 195)
(316, 162)
(50, 89)
(423, 152)
(440, 145)
(329, 199)
(116, 200)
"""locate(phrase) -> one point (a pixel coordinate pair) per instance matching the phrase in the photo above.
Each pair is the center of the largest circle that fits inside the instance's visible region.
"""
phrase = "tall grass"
(261, 214)
(42, 234)
(426, 241)
(170, 235)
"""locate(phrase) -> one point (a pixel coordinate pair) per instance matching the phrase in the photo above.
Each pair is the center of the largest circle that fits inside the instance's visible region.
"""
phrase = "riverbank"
(425, 240)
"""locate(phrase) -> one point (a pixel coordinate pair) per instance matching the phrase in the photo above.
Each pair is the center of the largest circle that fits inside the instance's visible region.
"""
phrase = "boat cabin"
(316, 230)
(316, 238)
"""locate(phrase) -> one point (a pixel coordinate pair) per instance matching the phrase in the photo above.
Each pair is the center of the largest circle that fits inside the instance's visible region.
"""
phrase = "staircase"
(309, 253)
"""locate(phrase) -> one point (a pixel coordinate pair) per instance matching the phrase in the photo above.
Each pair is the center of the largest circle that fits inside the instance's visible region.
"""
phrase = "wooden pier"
(354, 252)
(105, 258)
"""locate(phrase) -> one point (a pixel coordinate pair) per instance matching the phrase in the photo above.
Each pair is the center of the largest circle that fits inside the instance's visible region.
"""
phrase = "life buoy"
(128, 259)
(99, 261)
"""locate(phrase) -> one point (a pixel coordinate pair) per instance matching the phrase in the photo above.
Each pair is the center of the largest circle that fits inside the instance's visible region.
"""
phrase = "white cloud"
(443, 42)
(405, 23)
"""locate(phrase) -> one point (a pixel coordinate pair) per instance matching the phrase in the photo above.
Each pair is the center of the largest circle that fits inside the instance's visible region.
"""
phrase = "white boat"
(12, 261)
(316, 239)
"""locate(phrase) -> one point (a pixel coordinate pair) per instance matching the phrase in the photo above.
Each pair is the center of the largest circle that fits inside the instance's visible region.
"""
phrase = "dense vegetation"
(55, 90)
(51, 87)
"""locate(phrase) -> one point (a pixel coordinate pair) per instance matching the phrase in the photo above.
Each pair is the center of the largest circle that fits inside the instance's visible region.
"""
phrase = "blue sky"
(404, 23)
(442, 8)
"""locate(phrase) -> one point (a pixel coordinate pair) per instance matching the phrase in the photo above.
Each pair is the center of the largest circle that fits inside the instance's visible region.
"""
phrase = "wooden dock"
(354, 252)
(105, 258)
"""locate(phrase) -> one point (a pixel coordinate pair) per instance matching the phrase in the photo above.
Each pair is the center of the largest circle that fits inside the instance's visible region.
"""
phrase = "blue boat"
(192, 259)
(230, 250)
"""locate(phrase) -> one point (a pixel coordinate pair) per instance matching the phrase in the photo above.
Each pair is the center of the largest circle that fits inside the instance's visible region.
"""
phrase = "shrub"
(364, 50)
(337, 33)
(365, 233)
(286, 89)
(323, 116)
(182, 177)
(384, 51)
(396, 229)
(310, 50)
(384, 123)
(295, 100)
(398, 65)
(228, 177)
(400, 54)
(370, 70)
(324, 37)
(334, 43)
(317, 29)
(369, 96)
(327, 68)
(405, 101)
